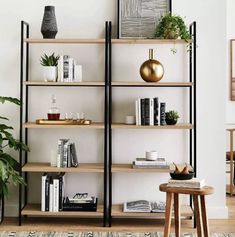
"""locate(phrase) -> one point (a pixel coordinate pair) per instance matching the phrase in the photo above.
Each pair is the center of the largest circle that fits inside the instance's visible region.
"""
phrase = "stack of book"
(147, 111)
(80, 204)
(159, 163)
(66, 154)
(191, 183)
(68, 70)
(144, 206)
(52, 192)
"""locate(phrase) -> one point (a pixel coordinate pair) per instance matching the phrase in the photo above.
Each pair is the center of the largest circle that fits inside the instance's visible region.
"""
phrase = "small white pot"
(50, 73)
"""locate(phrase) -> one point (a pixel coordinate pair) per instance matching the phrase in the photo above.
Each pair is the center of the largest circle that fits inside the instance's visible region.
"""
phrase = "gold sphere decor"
(151, 70)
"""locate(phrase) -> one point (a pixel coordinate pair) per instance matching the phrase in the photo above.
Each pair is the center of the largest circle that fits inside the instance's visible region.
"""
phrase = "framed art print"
(138, 18)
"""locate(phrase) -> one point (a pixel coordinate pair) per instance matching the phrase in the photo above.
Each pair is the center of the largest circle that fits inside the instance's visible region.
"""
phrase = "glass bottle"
(53, 113)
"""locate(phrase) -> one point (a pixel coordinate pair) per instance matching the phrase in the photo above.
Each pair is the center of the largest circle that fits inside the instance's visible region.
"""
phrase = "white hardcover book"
(60, 69)
(136, 113)
(56, 195)
(65, 156)
(51, 196)
(70, 78)
(78, 73)
(43, 193)
(59, 154)
(65, 68)
(151, 112)
(139, 111)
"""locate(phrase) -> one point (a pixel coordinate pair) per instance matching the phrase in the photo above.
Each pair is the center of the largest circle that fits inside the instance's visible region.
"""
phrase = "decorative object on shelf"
(143, 163)
(171, 117)
(151, 155)
(49, 25)
(49, 64)
(130, 119)
(9, 166)
(162, 113)
(63, 122)
(151, 70)
(138, 18)
(53, 113)
(182, 173)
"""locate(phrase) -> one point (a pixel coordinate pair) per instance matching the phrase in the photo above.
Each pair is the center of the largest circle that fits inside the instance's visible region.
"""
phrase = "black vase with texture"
(49, 26)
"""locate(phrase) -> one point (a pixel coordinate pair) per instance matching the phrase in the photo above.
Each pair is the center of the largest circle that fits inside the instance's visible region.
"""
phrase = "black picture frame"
(134, 32)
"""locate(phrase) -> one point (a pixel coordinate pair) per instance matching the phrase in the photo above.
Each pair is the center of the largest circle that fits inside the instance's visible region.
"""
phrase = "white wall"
(86, 19)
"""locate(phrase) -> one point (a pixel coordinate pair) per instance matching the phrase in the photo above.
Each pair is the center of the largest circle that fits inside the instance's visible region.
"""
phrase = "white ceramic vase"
(50, 73)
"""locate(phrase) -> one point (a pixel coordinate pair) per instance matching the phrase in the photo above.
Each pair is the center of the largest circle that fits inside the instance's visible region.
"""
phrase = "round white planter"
(50, 73)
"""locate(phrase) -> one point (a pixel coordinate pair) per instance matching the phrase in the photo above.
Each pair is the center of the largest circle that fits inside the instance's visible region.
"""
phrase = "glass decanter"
(53, 113)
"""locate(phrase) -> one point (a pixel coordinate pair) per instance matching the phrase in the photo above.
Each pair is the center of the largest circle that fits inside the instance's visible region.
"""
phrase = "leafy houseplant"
(172, 27)
(9, 167)
(171, 117)
(49, 64)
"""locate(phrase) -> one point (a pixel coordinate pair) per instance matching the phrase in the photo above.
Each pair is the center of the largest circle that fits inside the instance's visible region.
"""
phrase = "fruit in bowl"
(182, 174)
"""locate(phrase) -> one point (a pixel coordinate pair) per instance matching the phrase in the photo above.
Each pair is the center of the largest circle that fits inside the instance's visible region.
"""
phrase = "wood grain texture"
(177, 215)
(204, 217)
(197, 212)
(169, 203)
(45, 83)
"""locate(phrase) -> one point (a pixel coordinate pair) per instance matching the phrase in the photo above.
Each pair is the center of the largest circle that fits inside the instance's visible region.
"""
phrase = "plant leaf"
(3, 99)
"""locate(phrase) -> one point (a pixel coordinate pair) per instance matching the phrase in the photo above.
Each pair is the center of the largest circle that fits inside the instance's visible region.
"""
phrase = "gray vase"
(49, 26)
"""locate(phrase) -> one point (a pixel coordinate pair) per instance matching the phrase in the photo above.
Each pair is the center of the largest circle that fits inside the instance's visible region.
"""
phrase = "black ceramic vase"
(49, 26)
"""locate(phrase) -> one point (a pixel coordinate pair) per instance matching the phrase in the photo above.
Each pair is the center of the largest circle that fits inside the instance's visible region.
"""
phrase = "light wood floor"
(137, 225)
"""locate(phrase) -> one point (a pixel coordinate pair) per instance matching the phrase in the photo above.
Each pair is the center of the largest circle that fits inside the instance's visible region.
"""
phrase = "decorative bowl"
(188, 176)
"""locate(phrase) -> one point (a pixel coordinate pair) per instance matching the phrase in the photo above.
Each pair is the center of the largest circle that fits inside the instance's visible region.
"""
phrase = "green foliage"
(50, 60)
(172, 115)
(172, 27)
(9, 167)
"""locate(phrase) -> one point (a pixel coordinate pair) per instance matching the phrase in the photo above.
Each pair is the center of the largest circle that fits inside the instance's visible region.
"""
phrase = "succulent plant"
(172, 115)
(50, 60)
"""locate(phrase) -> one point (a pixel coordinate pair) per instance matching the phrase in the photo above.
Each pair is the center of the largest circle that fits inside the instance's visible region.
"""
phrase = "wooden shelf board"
(35, 210)
(177, 126)
(83, 83)
(127, 168)
(45, 167)
(151, 84)
(117, 211)
(91, 126)
(102, 41)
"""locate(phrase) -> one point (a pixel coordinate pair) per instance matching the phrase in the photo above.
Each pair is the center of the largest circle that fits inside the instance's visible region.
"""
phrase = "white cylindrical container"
(50, 73)
(151, 155)
(130, 119)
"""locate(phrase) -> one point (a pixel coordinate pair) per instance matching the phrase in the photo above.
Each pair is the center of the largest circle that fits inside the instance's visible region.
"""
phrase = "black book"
(162, 113)
(73, 154)
(68, 206)
(155, 111)
(147, 111)
(47, 193)
(61, 187)
(142, 111)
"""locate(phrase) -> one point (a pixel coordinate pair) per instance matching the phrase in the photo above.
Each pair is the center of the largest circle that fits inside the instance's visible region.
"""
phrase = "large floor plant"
(9, 166)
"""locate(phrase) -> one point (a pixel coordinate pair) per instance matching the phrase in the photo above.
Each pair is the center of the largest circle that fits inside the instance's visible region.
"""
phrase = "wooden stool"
(199, 209)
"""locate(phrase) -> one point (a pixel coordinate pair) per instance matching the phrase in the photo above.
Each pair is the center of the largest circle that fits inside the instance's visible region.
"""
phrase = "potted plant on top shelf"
(171, 117)
(9, 166)
(49, 64)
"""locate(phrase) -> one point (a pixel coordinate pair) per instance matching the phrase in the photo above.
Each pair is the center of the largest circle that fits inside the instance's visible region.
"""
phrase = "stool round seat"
(192, 191)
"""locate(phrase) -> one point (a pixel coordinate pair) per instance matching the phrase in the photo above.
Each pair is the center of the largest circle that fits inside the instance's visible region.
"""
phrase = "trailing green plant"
(50, 60)
(9, 167)
(172, 115)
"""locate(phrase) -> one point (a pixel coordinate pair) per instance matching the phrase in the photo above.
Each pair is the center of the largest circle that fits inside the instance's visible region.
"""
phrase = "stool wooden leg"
(204, 216)
(177, 214)
(197, 215)
(169, 202)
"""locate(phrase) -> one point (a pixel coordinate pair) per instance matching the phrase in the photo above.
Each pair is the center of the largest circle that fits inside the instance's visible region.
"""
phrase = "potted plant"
(9, 167)
(49, 64)
(171, 117)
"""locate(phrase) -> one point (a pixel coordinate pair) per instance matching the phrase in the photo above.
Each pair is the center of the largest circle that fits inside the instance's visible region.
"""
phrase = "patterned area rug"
(96, 234)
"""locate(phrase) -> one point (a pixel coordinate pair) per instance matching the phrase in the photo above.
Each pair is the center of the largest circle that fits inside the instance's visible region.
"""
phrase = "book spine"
(47, 193)
(70, 77)
(151, 112)
(66, 68)
(65, 155)
(149, 163)
(43, 189)
(74, 155)
(136, 113)
(60, 192)
(162, 113)
(139, 111)
(59, 154)
(147, 111)
(142, 111)
(51, 203)
(69, 156)
(156, 105)
(60, 69)
(56, 195)
(78, 73)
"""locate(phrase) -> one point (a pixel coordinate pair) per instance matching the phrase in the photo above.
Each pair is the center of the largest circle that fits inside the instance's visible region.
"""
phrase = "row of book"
(66, 154)
(147, 111)
(159, 163)
(52, 192)
(69, 70)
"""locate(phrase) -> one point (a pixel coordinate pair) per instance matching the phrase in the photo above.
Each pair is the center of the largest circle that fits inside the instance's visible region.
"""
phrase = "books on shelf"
(147, 111)
(144, 206)
(159, 163)
(68, 70)
(52, 192)
(66, 154)
(80, 204)
(192, 183)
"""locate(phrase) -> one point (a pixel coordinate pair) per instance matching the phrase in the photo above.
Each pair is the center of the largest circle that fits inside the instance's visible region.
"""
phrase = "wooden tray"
(63, 122)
